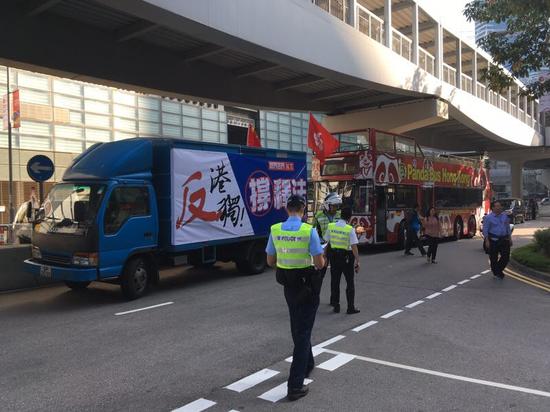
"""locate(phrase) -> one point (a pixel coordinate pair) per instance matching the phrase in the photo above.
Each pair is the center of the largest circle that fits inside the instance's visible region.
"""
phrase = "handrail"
(449, 74)
(426, 60)
(401, 44)
(369, 23)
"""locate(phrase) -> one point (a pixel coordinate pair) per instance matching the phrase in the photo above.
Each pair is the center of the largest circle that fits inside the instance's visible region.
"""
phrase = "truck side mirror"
(80, 211)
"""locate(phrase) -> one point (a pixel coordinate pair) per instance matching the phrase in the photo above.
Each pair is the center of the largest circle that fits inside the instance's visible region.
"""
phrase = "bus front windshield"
(355, 194)
(70, 208)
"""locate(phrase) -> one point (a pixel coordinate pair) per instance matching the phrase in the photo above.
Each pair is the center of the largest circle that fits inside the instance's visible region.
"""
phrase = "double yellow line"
(530, 281)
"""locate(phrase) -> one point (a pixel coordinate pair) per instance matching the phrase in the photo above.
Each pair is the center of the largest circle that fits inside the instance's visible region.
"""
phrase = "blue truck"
(129, 208)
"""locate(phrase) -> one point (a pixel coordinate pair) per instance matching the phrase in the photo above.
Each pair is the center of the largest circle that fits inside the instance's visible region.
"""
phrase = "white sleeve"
(353, 238)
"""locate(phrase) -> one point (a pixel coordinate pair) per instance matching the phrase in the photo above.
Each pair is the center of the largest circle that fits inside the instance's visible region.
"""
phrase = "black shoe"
(352, 311)
(309, 369)
(409, 254)
(337, 308)
(433, 261)
(295, 394)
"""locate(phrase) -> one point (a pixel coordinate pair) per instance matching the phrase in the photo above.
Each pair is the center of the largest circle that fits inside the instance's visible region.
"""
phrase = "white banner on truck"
(207, 203)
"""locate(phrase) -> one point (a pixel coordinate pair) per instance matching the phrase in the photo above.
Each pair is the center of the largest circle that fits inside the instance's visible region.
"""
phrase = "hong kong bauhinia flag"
(320, 140)
(252, 139)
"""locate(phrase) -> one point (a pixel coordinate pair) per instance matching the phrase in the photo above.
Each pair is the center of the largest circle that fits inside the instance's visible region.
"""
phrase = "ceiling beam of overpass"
(298, 82)
(146, 68)
(202, 52)
(330, 94)
(35, 7)
(427, 25)
(402, 5)
(253, 69)
(133, 30)
(428, 44)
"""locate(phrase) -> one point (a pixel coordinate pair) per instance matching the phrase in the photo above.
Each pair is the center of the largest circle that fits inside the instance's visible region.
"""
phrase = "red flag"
(252, 138)
(320, 140)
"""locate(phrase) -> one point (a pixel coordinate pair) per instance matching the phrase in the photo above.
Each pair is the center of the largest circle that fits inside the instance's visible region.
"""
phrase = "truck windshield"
(70, 208)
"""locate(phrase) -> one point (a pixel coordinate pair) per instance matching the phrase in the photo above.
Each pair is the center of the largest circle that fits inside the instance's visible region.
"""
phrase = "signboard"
(16, 110)
(217, 195)
(40, 168)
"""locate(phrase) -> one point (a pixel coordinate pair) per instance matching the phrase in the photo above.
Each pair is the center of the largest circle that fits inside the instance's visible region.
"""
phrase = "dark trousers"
(412, 240)
(432, 246)
(302, 318)
(342, 262)
(499, 254)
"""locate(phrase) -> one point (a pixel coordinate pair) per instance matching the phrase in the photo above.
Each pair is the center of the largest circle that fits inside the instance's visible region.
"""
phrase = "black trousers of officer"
(301, 289)
(342, 262)
(499, 254)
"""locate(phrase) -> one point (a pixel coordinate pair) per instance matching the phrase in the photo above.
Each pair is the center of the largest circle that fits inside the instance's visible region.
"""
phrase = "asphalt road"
(481, 345)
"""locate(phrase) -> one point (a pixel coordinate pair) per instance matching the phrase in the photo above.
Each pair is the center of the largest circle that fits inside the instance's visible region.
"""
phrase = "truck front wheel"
(135, 278)
(253, 260)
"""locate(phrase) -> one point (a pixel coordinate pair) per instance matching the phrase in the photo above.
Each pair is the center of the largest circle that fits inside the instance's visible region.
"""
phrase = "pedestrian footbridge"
(366, 63)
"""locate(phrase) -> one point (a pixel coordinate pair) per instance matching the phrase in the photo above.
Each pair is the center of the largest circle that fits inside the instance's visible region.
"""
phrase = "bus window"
(404, 145)
(384, 142)
(361, 197)
(457, 197)
(355, 194)
(401, 196)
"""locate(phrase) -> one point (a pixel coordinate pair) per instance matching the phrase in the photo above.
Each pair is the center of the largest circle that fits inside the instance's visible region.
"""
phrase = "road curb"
(529, 271)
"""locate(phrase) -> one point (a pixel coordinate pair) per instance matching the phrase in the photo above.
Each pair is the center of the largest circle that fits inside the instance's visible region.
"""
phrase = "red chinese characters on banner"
(193, 204)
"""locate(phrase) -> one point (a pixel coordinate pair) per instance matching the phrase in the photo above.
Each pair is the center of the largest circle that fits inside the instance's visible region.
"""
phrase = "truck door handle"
(148, 234)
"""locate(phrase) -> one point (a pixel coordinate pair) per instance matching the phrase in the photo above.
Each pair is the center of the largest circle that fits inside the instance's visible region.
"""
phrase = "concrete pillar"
(458, 63)
(509, 98)
(534, 115)
(414, 12)
(352, 17)
(474, 74)
(388, 33)
(438, 43)
(525, 102)
(517, 99)
(517, 177)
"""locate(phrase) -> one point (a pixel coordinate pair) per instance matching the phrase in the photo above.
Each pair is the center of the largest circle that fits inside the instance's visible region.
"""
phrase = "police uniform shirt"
(352, 235)
(293, 224)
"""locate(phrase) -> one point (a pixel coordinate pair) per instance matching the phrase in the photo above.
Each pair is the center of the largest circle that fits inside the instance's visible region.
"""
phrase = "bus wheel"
(472, 227)
(458, 230)
(77, 285)
(253, 260)
(135, 278)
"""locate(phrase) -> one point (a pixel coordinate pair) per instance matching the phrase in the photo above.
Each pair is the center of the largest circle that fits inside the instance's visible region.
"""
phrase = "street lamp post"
(10, 156)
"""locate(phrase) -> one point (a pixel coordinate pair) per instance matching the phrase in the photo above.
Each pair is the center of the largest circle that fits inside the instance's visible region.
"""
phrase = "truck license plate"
(46, 272)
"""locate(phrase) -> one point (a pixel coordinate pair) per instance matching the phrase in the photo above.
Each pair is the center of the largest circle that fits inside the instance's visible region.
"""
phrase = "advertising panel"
(217, 195)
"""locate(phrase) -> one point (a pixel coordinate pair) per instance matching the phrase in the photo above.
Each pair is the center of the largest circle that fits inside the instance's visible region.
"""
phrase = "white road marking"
(233, 410)
(279, 392)
(146, 308)
(365, 325)
(433, 295)
(448, 288)
(390, 314)
(335, 362)
(462, 282)
(251, 380)
(196, 406)
(315, 350)
(448, 375)
(475, 276)
(485, 271)
(329, 341)
(412, 305)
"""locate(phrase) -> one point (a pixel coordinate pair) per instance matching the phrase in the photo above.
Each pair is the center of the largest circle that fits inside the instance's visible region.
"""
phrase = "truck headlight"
(85, 259)
(35, 252)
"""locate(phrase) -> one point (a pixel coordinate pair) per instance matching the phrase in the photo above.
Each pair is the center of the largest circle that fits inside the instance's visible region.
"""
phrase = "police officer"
(329, 213)
(291, 247)
(344, 259)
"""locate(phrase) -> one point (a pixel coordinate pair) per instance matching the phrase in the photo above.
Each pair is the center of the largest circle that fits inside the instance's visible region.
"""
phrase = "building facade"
(60, 118)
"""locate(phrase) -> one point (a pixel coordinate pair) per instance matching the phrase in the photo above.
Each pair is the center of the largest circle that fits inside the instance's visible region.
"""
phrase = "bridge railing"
(426, 60)
(369, 23)
(449, 74)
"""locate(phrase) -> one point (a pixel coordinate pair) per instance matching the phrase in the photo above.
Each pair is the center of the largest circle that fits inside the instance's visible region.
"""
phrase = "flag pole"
(10, 154)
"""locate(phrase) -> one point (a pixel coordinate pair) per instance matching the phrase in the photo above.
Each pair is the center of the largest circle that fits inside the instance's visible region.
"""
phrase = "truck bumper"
(49, 272)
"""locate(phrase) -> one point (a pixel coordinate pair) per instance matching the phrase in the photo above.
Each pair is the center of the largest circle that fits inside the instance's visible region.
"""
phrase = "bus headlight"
(85, 259)
(35, 252)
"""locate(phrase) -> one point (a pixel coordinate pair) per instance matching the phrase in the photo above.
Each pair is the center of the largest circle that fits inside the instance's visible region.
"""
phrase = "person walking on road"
(432, 231)
(498, 238)
(291, 247)
(343, 243)
(413, 227)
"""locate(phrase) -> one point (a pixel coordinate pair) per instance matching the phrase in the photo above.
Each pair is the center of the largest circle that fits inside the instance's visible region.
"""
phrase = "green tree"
(523, 47)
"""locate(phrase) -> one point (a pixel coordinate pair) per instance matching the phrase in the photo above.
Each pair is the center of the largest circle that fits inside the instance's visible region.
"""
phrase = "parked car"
(22, 226)
(544, 207)
(515, 208)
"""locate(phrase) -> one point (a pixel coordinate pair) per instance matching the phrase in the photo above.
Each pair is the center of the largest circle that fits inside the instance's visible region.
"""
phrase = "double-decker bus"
(381, 175)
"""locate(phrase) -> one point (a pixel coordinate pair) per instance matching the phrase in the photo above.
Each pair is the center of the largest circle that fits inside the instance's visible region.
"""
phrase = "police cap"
(296, 201)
